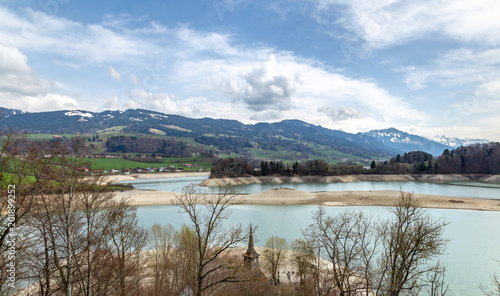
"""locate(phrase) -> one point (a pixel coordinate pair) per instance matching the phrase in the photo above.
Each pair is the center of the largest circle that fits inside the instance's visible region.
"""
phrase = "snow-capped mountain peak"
(457, 142)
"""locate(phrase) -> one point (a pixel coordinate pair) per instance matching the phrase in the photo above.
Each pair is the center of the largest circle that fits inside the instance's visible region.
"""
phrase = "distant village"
(139, 170)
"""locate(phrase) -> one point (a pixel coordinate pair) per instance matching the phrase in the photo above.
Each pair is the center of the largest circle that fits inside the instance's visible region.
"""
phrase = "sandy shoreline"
(350, 178)
(283, 196)
(134, 177)
(306, 179)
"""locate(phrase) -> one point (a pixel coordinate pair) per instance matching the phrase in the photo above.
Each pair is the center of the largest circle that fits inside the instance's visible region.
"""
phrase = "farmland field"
(177, 162)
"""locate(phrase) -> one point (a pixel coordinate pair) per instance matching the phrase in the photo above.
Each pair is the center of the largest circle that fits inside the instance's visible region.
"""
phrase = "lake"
(457, 189)
(475, 239)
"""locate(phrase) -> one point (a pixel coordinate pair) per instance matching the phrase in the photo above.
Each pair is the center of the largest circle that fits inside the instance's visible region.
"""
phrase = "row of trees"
(238, 167)
(169, 147)
(473, 159)
(354, 254)
(65, 233)
(316, 167)
(479, 158)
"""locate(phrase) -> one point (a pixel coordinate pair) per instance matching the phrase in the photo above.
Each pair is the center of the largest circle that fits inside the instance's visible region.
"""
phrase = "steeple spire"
(251, 257)
(250, 240)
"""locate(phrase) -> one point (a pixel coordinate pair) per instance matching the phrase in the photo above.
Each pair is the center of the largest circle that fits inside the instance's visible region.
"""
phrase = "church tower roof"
(251, 257)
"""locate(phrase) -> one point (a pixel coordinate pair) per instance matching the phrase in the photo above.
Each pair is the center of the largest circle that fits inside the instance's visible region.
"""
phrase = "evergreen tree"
(263, 168)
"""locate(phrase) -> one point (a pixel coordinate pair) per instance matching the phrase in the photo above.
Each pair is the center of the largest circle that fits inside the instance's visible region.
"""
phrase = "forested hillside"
(166, 147)
(290, 140)
(473, 159)
(478, 158)
(145, 131)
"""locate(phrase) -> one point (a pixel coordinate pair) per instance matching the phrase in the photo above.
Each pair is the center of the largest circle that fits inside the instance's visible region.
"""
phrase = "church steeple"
(251, 257)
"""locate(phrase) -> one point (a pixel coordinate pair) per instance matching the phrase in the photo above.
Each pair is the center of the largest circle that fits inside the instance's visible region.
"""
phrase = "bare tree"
(212, 241)
(346, 240)
(60, 204)
(126, 240)
(23, 166)
(274, 255)
(303, 257)
(435, 281)
(79, 235)
(411, 240)
(496, 286)
(161, 243)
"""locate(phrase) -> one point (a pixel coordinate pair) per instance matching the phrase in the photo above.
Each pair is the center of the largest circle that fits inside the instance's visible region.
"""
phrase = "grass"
(157, 131)
(281, 154)
(28, 181)
(226, 155)
(120, 163)
(319, 151)
(177, 128)
(45, 137)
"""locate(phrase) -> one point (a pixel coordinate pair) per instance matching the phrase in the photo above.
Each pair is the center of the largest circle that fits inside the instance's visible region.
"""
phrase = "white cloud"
(463, 67)
(94, 44)
(267, 115)
(341, 113)
(16, 76)
(47, 102)
(21, 88)
(263, 88)
(161, 102)
(264, 83)
(135, 81)
(310, 84)
(114, 74)
(111, 103)
(321, 87)
(390, 22)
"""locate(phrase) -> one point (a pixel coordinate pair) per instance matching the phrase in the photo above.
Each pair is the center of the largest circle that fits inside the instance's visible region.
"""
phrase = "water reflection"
(457, 189)
(473, 246)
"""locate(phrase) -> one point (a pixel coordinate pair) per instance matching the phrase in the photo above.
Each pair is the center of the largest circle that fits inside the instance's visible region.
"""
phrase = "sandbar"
(351, 178)
(133, 177)
(285, 196)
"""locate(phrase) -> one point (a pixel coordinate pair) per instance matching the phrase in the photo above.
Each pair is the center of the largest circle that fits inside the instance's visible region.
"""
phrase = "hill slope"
(286, 140)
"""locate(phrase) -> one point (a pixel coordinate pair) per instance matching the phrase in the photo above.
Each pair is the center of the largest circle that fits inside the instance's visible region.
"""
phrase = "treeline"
(416, 162)
(232, 167)
(365, 255)
(274, 144)
(238, 167)
(473, 159)
(479, 158)
(164, 147)
(316, 167)
(229, 144)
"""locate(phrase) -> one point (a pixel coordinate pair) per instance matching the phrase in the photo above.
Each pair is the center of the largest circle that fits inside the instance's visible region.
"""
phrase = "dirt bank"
(284, 196)
(349, 178)
(133, 177)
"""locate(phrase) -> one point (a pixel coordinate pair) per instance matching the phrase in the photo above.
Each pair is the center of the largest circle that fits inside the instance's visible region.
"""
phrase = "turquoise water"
(475, 235)
(470, 255)
(458, 189)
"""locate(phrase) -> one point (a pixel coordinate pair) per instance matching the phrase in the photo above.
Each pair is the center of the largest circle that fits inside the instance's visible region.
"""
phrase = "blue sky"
(426, 67)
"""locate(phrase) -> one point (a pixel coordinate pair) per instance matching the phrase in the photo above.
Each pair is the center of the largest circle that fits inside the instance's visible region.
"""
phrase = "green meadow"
(120, 163)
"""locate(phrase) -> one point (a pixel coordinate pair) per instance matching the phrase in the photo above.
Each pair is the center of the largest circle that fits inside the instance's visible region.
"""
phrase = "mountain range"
(291, 138)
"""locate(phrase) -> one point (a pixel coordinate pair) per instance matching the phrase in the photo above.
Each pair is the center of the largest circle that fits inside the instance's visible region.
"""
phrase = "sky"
(428, 67)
